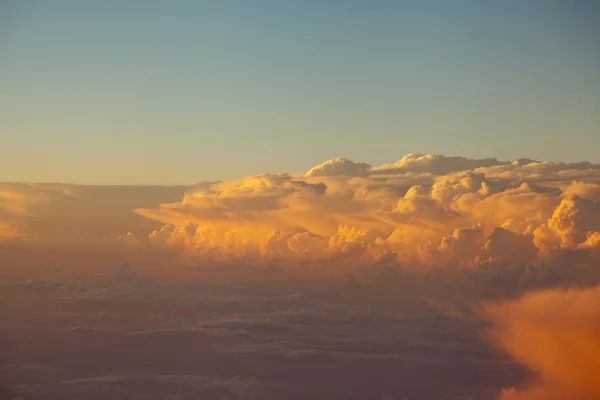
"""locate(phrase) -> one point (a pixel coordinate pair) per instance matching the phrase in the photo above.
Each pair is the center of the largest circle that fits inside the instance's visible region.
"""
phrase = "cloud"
(126, 273)
(64, 212)
(6, 231)
(497, 223)
(283, 335)
(583, 190)
(544, 171)
(417, 211)
(304, 285)
(339, 166)
(572, 222)
(555, 333)
(435, 164)
(507, 245)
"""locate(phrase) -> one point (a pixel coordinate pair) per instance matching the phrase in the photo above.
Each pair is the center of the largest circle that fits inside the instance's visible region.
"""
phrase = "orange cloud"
(73, 213)
(339, 166)
(422, 209)
(429, 210)
(556, 334)
(6, 231)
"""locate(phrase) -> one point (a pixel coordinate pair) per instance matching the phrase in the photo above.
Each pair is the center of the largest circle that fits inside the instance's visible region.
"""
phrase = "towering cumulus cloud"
(426, 209)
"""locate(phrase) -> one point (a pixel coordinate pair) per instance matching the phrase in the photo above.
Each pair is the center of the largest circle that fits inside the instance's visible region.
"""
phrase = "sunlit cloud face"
(6, 231)
(557, 335)
(426, 209)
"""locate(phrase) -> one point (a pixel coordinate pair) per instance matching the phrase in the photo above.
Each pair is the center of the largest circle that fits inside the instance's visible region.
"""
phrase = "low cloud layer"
(238, 334)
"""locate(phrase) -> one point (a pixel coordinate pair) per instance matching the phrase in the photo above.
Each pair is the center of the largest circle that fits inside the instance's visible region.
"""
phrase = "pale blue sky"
(180, 91)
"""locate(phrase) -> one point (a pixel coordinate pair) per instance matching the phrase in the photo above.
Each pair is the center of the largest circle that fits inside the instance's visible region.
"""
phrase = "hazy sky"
(184, 91)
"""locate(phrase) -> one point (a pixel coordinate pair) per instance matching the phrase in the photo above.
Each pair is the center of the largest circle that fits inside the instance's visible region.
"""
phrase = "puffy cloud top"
(435, 164)
(339, 166)
(428, 209)
(424, 209)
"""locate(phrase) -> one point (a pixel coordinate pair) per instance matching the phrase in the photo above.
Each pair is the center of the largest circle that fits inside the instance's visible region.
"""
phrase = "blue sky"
(184, 91)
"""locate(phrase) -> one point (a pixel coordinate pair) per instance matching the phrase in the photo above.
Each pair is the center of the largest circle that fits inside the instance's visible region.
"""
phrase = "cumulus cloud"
(583, 190)
(339, 166)
(572, 222)
(544, 171)
(426, 209)
(435, 164)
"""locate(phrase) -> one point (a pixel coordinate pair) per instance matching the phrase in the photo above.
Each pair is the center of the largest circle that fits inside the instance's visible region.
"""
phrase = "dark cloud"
(270, 336)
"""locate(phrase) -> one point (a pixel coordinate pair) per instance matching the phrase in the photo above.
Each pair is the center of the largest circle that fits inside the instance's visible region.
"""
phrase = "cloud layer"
(341, 282)
(238, 334)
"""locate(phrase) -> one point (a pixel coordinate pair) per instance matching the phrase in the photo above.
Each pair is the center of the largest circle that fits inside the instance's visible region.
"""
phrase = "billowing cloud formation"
(436, 164)
(572, 223)
(426, 209)
(557, 334)
(339, 166)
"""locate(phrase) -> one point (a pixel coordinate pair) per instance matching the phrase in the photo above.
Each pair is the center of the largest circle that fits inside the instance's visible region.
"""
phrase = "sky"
(153, 92)
(300, 199)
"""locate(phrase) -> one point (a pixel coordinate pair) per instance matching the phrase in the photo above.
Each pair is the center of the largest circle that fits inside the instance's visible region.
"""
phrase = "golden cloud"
(555, 333)
(428, 209)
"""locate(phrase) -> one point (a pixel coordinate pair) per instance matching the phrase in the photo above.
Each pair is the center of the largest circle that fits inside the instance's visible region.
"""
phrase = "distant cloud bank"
(505, 237)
